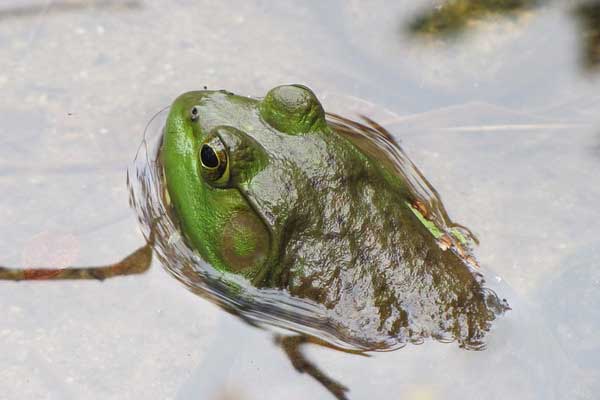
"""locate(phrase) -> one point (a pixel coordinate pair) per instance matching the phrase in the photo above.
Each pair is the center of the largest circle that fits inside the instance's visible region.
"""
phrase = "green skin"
(294, 205)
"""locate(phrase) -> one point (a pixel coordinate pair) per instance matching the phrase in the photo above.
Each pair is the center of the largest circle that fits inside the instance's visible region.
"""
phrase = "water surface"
(503, 121)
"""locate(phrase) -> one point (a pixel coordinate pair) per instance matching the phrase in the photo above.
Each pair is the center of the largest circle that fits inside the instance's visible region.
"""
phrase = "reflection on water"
(454, 17)
(57, 7)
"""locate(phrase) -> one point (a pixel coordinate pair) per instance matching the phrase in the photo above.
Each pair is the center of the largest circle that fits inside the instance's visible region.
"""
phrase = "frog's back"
(366, 256)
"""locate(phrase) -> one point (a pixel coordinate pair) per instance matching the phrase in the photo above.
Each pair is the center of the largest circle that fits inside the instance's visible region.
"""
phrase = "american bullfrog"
(269, 190)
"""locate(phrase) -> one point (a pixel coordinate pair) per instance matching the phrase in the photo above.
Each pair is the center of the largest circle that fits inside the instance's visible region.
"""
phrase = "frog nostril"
(208, 157)
(194, 113)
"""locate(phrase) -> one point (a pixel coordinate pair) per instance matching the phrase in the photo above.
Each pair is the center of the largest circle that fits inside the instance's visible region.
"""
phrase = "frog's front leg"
(291, 345)
(137, 262)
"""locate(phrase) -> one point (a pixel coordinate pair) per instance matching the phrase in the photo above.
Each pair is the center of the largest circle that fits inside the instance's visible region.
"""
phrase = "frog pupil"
(209, 157)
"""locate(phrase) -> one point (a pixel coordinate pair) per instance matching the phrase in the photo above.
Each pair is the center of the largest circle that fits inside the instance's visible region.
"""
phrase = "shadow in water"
(136, 263)
(454, 17)
(34, 10)
(292, 346)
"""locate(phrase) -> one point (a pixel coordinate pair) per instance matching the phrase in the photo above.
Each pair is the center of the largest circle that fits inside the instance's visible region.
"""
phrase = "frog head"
(240, 173)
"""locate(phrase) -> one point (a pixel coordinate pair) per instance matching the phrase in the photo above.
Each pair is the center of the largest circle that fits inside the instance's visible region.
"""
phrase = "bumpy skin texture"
(301, 208)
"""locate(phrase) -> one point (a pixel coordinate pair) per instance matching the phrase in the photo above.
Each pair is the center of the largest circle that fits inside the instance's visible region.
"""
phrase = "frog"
(271, 191)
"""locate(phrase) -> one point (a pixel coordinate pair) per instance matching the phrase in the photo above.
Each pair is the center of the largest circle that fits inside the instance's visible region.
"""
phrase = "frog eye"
(293, 109)
(194, 113)
(214, 161)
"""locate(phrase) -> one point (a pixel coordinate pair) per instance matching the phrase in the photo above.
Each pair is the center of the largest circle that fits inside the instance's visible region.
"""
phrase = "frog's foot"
(137, 262)
(291, 345)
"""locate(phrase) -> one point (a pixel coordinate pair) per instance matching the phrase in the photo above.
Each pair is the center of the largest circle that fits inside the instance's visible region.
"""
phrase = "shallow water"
(504, 123)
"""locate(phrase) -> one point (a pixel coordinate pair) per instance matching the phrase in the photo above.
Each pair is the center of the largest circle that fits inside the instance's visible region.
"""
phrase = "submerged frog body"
(268, 190)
